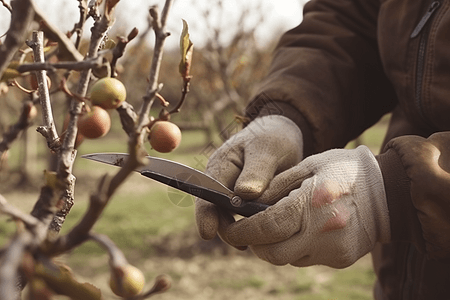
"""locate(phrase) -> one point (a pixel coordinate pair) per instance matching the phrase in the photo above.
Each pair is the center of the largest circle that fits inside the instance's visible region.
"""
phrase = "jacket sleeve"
(327, 76)
(416, 174)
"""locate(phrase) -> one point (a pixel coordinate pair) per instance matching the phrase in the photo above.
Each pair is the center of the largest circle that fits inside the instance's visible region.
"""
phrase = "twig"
(15, 83)
(16, 213)
(119, 49)
(11, 260)
(67, 50)
(8, 7)
(76, 66)
(184, 93)
(116, 256)
(63, 87)
(128, 117)
(25, 120)
(159, 26)
(80, 25)
(49, 128)
(21, 18)
(162, 284)
(162, 100)
(29, 239)
(164, 115)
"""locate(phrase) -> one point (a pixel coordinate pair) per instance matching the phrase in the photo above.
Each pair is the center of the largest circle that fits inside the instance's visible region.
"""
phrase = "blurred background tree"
(226, 66)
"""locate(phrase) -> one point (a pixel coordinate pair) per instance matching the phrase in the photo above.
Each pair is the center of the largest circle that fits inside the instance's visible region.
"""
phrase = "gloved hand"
(246, 163)
(334, 213)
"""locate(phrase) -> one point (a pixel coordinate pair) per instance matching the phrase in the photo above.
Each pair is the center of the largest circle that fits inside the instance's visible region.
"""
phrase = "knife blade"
(186, 179)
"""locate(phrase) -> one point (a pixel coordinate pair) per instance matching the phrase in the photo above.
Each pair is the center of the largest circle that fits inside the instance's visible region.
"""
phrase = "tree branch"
(159, 27)
(21, 19)
(49, 128)
(107, 186)
(119, 49)
(16, 213)
(67, 50)
(6, 5)
(76, 66)
(26, 116)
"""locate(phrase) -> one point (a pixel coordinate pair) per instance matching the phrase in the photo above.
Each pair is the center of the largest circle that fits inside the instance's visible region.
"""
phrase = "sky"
(279, 16)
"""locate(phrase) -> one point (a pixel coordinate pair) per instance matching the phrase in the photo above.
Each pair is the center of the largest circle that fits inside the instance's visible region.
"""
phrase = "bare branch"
(80, 25)
(21, 19)
(159, 27)
(80, 232)
(26, 116)
(116, 256)
(184, 93)
(76, 66)
(68, 153)
(67, 50)
(162, 284)
(11, 259)
(8, 7)
(128, 117)
(119, 49)
(27, 239)
(16, 213)
(50, 133)
(136, 150)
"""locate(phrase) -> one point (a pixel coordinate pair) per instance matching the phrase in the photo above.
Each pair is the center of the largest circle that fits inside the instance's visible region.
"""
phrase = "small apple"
(95, 123)
(164, 136)
(108, 93)
(126, 281)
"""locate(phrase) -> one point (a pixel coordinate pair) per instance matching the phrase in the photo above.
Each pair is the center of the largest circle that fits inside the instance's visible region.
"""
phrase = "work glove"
(330, 209)
(246, 163)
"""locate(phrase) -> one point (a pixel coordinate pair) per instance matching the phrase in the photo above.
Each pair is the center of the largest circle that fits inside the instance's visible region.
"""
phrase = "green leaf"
(186, 49)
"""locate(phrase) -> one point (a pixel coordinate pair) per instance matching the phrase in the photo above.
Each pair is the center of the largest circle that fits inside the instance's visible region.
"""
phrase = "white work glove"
(334, 212)
(246, 163)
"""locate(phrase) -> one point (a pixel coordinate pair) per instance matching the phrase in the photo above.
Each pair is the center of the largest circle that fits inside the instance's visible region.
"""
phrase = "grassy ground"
(160, 237)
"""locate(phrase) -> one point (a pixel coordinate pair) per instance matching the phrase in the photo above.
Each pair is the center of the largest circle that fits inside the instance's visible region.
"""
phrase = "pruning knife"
(186, 179)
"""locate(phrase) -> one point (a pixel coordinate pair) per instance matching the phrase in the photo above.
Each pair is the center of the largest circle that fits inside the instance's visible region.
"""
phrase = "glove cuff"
(376, 212)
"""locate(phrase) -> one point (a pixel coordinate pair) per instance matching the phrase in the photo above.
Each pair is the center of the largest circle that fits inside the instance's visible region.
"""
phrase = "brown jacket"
(346, 65)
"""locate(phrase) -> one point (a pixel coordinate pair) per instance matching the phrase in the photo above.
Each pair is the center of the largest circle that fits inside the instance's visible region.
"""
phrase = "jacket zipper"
(422, 30)
(425, 18)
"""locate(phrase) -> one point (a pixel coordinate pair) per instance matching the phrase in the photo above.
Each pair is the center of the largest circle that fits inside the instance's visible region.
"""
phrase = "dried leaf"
(109, 44)
(10, 74)
(109, 7)
(11, 71)
(186, 49)
(61, 280)
(38, 290)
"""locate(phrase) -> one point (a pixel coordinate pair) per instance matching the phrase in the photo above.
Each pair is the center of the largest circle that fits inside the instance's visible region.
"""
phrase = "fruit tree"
(98, 98)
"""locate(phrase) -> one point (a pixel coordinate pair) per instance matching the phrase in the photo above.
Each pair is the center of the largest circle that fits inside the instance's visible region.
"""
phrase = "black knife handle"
(247, 208)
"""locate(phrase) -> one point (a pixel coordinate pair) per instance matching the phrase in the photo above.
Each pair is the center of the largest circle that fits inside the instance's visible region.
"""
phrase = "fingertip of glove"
(250, 189)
